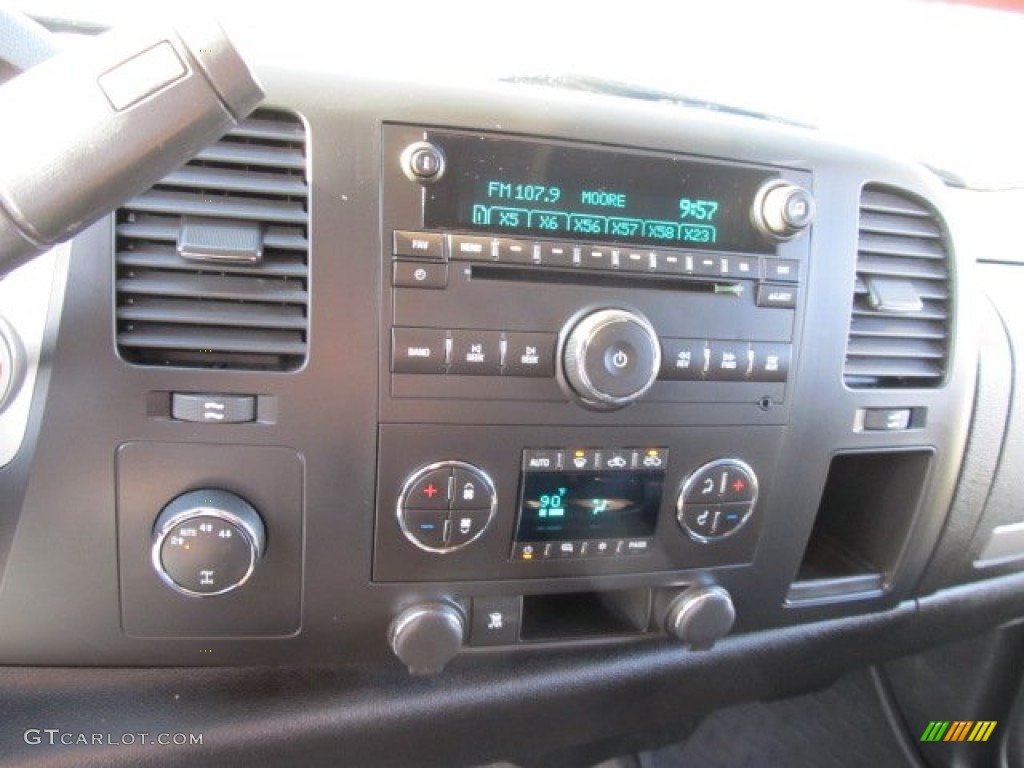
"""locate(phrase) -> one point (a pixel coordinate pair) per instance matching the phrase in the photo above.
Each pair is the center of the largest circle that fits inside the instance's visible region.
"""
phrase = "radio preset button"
(514, 251)
(419, 274)
(476, 353)
(707, 266)
(747, 266)
(425, 245)
(418, 350)
(635, 261)
(557, 255)
(596, 258)
(530, 354)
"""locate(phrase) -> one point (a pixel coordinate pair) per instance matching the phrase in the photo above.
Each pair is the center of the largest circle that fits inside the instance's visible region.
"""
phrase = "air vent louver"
(178, 304)
(899, 329)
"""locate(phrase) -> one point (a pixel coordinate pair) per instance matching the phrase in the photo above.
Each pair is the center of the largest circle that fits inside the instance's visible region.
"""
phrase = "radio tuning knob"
(700, 616)
(782, 210)
(426, 637)
(611, 358)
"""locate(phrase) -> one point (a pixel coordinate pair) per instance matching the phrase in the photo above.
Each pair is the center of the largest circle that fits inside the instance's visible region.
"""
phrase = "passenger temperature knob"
(611, 358)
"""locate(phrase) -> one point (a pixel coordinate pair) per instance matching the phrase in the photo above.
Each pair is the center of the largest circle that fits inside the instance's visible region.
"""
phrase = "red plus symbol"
(738, 486)
(430, 491)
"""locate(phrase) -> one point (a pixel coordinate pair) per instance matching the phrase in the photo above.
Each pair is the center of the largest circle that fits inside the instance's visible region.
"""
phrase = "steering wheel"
(24, 43)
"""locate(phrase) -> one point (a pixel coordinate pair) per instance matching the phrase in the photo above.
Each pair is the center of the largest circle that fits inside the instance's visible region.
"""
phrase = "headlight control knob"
(700, 616)
(782, 210)
(611, 357)
(207, 542)
(426, 637)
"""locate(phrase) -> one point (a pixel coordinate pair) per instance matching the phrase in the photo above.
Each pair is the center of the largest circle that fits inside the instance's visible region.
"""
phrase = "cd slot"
(527, 274)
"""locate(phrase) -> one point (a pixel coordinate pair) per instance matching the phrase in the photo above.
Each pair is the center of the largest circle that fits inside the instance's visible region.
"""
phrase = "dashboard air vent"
(899, 330)
(212, 262)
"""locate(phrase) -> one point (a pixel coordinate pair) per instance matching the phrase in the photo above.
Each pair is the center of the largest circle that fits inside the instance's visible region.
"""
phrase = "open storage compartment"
(863, 521)
(585, 614)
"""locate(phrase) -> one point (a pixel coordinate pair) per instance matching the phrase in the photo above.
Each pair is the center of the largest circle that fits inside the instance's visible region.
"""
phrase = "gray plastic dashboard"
(848, 520)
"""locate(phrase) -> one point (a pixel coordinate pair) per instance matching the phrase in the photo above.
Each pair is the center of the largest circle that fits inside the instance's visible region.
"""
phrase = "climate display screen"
(519, 187)
(560, 506)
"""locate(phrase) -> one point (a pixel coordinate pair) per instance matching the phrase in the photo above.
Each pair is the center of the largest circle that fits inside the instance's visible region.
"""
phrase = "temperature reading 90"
(539, 193)
(697, 210)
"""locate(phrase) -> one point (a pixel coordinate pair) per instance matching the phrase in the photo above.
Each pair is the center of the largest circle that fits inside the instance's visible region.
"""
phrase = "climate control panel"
(446, 505)
(661, 499)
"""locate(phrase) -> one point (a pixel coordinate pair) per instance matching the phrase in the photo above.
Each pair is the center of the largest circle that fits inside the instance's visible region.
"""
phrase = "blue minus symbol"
(427, 526)
(731, 516)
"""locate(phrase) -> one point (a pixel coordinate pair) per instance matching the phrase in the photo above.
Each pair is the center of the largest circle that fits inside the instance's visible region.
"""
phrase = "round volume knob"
(700, 616)
(782, 210)
(611, 357)
(426, 637)
(423, 162)
(207, 542)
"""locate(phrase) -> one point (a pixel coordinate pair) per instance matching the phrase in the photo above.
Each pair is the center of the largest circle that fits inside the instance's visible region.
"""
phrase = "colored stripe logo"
(959, 730)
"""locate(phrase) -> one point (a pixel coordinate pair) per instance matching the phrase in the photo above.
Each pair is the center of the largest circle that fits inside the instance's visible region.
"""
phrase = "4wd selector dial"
(207, 542)
(611, 357)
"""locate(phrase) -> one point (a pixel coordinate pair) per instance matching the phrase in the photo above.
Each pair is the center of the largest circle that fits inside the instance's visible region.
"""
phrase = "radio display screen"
(561, 506)
(543, 189)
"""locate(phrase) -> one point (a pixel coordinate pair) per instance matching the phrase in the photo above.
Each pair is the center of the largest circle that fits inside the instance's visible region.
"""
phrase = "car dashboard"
(558, 397)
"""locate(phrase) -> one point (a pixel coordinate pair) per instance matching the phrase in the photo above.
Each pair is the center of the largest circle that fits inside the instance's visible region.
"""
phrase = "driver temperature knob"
(611, 358)
(426, 637)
